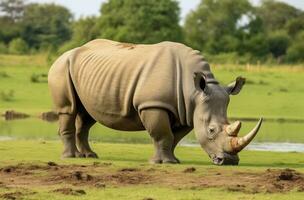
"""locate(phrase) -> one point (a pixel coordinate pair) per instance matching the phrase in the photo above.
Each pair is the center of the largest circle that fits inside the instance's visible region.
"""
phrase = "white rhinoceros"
(166, 89)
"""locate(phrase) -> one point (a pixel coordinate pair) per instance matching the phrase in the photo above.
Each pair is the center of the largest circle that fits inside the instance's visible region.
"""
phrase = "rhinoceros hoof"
(91, 155)
(86, 155)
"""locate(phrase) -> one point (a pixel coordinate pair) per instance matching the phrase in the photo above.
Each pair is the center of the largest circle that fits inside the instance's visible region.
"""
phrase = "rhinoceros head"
(215, 134)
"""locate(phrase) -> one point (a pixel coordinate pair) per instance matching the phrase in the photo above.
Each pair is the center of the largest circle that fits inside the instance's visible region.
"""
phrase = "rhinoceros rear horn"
(239, 143)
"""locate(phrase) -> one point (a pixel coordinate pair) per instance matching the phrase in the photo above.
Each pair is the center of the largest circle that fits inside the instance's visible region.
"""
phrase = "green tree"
(84, 30)
(278, 43)
(295, 53)
(140, 21)
(214, 25)
(256, 45)
(11, 12)
(12, 9)
(46, 25)
(3, 48)
(9, 29)
(275, 14)
(296, 25)
(18, 46)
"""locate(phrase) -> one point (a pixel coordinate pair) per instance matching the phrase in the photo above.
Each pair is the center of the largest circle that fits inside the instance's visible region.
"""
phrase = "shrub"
(278, 43)
(39, 78)
(3, 48)
(7, 96)
(18, 46)
(295, 53)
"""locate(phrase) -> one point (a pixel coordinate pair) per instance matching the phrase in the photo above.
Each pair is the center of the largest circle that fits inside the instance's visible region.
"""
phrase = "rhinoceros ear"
(235, 87)
(199, 81)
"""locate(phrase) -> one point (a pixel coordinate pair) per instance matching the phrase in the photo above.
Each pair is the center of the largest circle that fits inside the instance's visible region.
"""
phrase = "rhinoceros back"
(115, 81)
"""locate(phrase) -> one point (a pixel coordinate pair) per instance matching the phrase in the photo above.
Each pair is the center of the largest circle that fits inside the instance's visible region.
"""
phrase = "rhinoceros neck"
(194, 62)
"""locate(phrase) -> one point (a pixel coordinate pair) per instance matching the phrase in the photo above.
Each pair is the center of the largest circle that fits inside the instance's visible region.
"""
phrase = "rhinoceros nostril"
(218, 160)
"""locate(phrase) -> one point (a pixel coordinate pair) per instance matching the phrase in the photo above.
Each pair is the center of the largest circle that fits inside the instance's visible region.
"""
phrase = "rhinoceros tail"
(61, 85)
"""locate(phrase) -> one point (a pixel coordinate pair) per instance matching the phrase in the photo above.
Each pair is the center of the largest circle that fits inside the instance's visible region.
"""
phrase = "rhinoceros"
(166, 89)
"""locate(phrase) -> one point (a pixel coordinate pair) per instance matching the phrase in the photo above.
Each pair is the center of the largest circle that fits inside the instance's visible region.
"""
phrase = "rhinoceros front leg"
(67, 134)
(157, 123)
(83, 124)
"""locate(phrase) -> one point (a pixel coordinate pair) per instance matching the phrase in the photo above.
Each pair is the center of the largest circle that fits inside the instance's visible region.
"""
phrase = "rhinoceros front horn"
(239, 143)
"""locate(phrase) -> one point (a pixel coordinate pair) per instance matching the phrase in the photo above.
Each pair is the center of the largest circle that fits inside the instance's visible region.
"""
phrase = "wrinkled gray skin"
(83, 93)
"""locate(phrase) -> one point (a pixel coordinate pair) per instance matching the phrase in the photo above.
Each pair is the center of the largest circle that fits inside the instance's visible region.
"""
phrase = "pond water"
(273, 136)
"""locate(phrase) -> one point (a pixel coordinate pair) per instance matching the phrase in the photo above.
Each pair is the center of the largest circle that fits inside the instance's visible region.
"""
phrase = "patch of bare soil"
(101, 175)
(16, 195)
(69, 191)
(12, 195)
(189, 170)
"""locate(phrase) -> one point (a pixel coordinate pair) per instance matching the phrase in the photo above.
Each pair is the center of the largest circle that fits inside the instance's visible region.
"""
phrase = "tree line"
(230, 30)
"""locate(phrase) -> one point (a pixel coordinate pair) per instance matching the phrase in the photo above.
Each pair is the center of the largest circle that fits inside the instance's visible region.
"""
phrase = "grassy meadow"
(176, 182)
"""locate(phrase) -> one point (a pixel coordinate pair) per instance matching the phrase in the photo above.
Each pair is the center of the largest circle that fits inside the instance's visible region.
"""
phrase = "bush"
(278, 43)
(7, 96)
(295, 53)
(39, 78)
(18, 46)
(3, 48)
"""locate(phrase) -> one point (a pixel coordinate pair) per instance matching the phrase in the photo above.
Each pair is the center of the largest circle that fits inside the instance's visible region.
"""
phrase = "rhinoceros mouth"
(226, 159)
(218, 160)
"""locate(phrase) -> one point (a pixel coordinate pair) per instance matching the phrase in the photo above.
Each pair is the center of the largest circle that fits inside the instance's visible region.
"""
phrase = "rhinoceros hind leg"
(67, 134)
(179, 133)
(83, 124)
(157, 123)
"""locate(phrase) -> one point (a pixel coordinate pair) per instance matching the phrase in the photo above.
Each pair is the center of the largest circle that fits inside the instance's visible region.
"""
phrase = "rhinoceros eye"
(211, 132)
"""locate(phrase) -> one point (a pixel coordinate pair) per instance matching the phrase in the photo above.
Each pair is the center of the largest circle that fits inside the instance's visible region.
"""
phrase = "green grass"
(145, 192)
(126, 155)
(269, 92)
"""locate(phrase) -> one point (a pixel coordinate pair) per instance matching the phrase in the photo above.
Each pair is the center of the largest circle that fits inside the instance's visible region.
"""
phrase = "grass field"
(25, 174)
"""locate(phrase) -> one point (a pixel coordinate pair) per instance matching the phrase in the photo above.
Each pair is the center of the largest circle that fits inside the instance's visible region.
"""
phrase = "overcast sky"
(91, 7)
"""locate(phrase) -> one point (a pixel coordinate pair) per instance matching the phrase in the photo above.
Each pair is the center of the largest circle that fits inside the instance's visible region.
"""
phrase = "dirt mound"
(283, 180)
(12, 195)
(129, 170)
(189, 170)
(100, 175)
(16, 195)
